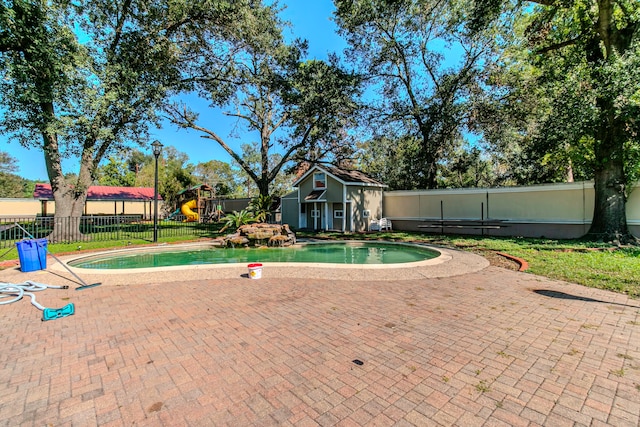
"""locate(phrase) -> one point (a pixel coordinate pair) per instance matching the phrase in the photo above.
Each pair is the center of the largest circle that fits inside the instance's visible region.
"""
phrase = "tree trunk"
(67, 219)
(263, 187)
(431, 174)
(69, 201)
(609, 215)
(430, 158)
(570, 172)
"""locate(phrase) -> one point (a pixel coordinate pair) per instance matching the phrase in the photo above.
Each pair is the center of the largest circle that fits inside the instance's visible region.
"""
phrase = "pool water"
(336, 253)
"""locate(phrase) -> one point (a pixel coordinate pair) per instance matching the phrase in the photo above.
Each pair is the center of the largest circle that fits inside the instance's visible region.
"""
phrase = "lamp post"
(157, 149)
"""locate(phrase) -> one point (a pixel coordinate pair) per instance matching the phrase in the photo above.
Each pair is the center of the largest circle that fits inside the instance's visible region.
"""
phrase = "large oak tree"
(420, 67)
(290, 107)
(83, 79)
(583, 58)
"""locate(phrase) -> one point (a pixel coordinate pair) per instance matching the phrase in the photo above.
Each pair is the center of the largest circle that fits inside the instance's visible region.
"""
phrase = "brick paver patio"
(488, 348)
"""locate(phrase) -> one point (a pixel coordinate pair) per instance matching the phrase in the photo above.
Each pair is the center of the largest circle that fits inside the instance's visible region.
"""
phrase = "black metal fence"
(100, 228)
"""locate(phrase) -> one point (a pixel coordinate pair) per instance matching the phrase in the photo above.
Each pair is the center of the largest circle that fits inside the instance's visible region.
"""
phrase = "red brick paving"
(480, 349)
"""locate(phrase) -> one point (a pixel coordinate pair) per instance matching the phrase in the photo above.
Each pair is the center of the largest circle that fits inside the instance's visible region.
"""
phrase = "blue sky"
(310, 19)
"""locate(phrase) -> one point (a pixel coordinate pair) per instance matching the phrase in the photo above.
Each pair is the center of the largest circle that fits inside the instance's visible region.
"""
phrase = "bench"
(493, 224)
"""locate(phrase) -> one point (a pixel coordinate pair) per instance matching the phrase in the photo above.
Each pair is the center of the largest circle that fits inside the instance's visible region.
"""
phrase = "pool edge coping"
(451, 262)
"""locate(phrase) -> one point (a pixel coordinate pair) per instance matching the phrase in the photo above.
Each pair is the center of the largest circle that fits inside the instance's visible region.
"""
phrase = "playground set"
(198, 204)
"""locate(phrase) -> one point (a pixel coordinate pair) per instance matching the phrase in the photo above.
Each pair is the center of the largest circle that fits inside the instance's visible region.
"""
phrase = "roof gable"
(102, 192)
(345, 176)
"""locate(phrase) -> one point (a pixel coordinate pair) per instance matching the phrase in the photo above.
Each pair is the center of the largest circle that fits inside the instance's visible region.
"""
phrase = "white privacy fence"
(553, 210)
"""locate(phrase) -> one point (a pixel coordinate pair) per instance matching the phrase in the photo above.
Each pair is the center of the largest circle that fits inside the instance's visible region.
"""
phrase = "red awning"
(102, 192)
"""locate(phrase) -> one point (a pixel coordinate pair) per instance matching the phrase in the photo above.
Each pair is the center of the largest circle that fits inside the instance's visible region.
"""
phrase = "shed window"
(366, 214)
(319, 180)
(338, 214)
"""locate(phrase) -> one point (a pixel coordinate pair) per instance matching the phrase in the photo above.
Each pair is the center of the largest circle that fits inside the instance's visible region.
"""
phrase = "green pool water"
(336, 253)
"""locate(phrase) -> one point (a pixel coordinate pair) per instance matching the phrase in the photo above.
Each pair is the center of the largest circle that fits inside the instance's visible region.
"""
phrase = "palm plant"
(260, 207)
(237, 219)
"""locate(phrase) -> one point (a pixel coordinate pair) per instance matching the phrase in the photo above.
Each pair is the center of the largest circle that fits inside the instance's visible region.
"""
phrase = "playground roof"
(102, 192)
(196, 187)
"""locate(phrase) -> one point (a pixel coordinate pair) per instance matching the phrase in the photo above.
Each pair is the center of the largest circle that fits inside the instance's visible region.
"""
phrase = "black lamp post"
(157, 149)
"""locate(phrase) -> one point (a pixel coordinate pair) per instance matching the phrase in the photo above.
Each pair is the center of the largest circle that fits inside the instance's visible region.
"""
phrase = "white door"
(302, 216)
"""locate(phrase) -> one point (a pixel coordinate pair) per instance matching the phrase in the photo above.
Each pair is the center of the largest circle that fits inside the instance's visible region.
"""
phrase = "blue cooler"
(32, 254)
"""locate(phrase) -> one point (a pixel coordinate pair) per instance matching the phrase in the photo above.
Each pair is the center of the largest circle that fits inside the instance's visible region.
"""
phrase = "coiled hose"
(17, 291)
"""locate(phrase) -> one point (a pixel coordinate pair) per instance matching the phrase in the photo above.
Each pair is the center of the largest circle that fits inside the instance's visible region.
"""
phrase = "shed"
(332, 198)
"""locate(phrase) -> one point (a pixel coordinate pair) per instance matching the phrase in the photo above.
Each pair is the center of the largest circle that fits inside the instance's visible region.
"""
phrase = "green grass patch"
(593, 264)
(90, 246)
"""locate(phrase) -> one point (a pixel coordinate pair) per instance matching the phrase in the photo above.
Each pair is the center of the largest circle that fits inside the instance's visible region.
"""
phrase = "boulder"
(235, 241)
(261, 234)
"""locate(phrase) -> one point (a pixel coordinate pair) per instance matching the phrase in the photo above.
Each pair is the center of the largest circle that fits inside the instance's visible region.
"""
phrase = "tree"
(298, 106)
(252, 157)
(175, 173)
(136, 159)
(85, 80)
(115, 173)
(398, 46)
(585, 57)
(394, 161)
(467, 168)
(7, 163)
(507, 114)
(219, 175)
(260, 207)
(11, 185)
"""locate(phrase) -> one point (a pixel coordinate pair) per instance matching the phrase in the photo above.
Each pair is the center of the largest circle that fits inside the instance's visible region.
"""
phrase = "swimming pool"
(343, 253)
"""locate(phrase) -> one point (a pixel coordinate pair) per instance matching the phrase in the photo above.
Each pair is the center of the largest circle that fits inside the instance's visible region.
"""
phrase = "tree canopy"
(87, 79)
(567, 86)
(289, 105)
(418, 91)
(11, 185)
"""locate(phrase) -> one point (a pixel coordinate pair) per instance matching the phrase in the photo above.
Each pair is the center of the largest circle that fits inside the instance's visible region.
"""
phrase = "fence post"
(482, 219)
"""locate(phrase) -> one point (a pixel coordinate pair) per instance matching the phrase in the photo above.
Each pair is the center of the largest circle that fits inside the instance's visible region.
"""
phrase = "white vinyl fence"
(553, 210)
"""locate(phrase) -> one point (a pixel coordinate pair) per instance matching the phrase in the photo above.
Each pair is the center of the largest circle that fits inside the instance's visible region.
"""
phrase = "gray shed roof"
(347, 176)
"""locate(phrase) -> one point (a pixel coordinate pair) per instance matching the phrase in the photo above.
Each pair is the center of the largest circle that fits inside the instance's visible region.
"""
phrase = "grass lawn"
(587, 263)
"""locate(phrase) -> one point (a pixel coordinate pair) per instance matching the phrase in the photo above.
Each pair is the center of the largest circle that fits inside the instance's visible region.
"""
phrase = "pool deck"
(458, 342)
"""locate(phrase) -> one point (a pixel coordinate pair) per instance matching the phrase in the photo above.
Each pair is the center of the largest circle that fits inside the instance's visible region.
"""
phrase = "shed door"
(302, 220)
(338, 215)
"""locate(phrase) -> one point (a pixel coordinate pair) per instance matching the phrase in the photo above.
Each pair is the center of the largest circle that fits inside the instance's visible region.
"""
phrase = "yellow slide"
(187, 210)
